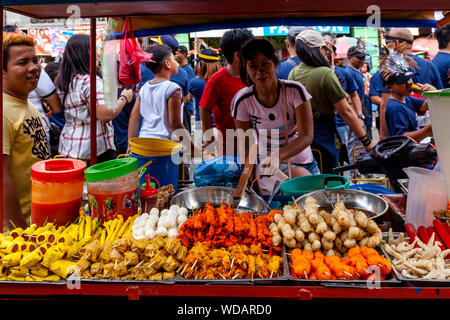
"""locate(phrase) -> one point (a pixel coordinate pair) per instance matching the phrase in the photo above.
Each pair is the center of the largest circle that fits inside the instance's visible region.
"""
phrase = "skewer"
(231, 265)
(349, 274)
(306, 275)
(115, 265)
(271, 273)
(235, 276)
(139, 264)
(295, 202)
(222, 276)
(184, 269)
(195, 262)
(150, 265)
(98, 267)
(5, 260)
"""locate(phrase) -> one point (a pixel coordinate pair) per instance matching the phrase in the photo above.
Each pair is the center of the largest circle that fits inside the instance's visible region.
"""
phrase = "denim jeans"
(311, 167)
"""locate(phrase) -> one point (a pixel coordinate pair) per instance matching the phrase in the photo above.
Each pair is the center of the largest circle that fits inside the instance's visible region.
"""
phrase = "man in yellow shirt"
(24, 136)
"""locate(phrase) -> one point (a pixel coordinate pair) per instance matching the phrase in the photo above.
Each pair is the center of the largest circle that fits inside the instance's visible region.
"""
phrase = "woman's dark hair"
(161, 53)
(52, 69)
(232, 42)
(310, 56)
(249, 51)
(367, 66)
(443, 36)
(75, 61)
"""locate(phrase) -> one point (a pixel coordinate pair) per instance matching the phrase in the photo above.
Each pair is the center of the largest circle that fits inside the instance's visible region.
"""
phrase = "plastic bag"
(222, 171)
(131, 56)
(109, 68)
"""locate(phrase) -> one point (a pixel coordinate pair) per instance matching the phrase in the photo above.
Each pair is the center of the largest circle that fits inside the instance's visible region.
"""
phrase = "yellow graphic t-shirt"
(25, 141)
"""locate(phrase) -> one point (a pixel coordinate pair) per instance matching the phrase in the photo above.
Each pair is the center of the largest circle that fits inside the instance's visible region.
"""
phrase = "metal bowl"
(195, 198)
(374, 206)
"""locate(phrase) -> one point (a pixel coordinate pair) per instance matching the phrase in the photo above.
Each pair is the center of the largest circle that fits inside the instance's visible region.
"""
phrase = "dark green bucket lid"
(111, 169)
(439, 93)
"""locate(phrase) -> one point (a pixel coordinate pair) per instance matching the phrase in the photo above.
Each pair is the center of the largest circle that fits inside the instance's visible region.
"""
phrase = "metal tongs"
(245, 175)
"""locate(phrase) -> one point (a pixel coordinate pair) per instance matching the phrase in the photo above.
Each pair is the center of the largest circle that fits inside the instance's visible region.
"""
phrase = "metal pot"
(195, 198)
(374, 206)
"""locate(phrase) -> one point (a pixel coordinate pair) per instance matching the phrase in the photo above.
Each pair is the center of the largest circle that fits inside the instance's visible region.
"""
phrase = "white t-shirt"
(44, 89)
(246, 107)
(153, 98)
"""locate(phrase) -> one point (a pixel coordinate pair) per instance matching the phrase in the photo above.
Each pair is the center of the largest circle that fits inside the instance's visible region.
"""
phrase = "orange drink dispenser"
(112, 188)
(56, 190)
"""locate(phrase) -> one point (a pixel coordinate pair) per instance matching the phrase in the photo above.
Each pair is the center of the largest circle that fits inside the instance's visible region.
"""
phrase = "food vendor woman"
(260, 107)
(315, 73)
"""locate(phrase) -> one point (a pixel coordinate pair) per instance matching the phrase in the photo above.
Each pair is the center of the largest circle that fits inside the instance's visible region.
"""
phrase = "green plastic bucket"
(306, 184)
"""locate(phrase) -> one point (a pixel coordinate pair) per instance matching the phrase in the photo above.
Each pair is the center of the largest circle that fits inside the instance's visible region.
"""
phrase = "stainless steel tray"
(256, 281)
(194, 198)
(391, 280)
(403, 185)
(373, 205)
(118, 281)
(416, 282)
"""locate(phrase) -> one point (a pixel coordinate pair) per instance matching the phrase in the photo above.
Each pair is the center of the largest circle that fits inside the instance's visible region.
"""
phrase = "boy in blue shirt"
(442, 59)
(402, 109)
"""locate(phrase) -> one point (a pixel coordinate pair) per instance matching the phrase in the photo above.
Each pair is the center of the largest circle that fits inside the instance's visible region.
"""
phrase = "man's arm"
(11, 204)
(53, 102)
(133, 122)
(375, 99)
(383, 129)
(420, 134)
(356, 102)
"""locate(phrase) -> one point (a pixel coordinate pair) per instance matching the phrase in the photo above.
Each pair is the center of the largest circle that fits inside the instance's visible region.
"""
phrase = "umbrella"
(343, 43)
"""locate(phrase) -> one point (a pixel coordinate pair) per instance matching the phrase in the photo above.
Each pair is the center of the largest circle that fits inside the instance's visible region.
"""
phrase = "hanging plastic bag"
(108, 58)
(221, 171)
(131, 56)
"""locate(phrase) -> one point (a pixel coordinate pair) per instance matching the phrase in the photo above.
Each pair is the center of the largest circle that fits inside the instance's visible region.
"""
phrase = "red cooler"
(56, 190)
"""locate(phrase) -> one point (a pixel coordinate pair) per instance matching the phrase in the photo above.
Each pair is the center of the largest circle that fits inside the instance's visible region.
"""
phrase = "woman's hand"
(128, 93)
(269, 165)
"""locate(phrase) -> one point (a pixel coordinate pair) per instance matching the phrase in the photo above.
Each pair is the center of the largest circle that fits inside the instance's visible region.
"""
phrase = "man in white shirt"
(45, 91)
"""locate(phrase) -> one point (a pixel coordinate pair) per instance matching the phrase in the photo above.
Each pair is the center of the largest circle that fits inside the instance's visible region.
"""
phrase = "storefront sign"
(283, 30)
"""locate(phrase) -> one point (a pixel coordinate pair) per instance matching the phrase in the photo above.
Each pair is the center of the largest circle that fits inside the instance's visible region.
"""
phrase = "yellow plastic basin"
(152, 147)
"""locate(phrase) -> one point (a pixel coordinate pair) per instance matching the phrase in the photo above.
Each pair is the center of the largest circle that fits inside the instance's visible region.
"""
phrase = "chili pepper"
(423, 234)
(412, 233)
(443, 234)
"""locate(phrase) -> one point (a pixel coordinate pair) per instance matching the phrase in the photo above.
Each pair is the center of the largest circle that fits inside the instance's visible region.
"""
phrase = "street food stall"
(211, 241)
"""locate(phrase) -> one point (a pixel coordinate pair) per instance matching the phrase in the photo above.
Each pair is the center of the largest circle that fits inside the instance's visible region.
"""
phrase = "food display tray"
(119, 281)
(56, 283)
(391, 280)
(256, 281)
(416, 282)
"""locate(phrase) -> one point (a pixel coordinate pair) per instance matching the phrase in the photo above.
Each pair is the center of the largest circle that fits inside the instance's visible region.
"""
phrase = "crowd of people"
(308, 102)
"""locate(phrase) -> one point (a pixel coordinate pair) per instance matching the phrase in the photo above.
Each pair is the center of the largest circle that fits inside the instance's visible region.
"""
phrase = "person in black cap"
(356, 58)
(208, 63)
(442, 58)
(285, 67)
(401, 108)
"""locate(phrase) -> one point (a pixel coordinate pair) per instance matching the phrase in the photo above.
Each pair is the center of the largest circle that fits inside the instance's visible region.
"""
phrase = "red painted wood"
(222, 7)
(135, 291)
(93, 94)
(1, 128)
